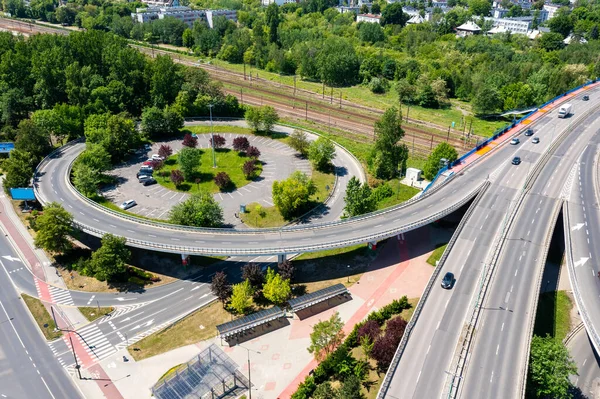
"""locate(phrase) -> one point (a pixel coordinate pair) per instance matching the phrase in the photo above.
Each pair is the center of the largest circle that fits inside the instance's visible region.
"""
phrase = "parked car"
(516, 160)
(149, 182)
(147, 163)
(586, 98)
(128, 204)
(144, 173)
(529, 132)
(156, 157)
(146, 169)
(448, 281)
(142, 178)
(515, 141)
(535, 140)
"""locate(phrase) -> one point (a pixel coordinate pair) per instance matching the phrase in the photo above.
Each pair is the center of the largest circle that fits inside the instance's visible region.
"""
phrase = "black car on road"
(516, 160)
(448, 281)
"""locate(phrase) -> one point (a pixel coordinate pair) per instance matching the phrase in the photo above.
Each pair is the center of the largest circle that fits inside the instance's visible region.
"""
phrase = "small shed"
(413, 174)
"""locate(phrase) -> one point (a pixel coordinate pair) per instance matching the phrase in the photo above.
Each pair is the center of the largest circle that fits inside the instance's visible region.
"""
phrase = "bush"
(369, 329)
(137, 281)
(165, 151)
(249, 169)
(382, 192)
(305, 389)
(222, 180)
(241, 144)
(378, 85)
(383, 352)
(177, 177)
(253, 152)
(189, 141)
(395, 328)
(218, 139)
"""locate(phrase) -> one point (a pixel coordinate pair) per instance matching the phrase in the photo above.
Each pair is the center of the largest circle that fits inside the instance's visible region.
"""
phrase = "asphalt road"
(588, 365)
(497, 366)
(28, 369)
(423, 371)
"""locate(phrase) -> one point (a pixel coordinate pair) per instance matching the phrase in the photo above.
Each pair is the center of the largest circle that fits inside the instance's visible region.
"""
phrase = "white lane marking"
(152, 235)
(506, 297)
(584, 362)
(516, 271)
(497, 349)
(419, 376)
(502, 328)
(492, 377)
(428, 349)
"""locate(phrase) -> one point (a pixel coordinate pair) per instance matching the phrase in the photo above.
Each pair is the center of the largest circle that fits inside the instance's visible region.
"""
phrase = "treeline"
(57, 88)
(425, 64)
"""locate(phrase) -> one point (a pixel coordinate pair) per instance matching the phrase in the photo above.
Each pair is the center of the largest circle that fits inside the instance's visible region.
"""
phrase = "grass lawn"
(228, 161)
(198, 326)
(42, 317)
(401, 194)
(436, 254)
(407, 313)
(270, 217)
(205, 129)
(553, 315)
(92, 314)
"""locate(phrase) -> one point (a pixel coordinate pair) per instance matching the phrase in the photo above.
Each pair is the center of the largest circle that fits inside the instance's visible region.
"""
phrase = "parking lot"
(155, 201)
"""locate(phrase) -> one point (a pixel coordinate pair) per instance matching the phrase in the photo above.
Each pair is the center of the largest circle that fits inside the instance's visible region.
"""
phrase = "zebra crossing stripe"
(61, 296)
(95, 342)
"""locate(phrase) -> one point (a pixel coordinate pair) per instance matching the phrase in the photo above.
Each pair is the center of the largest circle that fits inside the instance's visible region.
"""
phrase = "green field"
(436, 254)
(553, 315)
(228, 161)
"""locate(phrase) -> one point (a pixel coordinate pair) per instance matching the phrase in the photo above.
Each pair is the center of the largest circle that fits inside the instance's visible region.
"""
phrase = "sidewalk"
(279, 360)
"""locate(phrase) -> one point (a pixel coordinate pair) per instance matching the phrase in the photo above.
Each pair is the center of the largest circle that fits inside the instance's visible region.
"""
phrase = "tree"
(392, 15)
(292, 195)
(116, 133)
(358, 198)
(276, 289)
(287, 270)
(299, 142)
(32, 139)
(551, 41)
(19, 169)
(369, 329)
(253, 118)
(53, 228)
(188, 160)
(337, 62)
(325, 391)
(480, 7)
(371, 33)
(219, 141)
(375, 9)
(351, 388)
(487, 100)
(190, 141)
(433, 165)
(222, 180)
(200, 210)
(385, 346)
(109, 261)
(364, 9)
(388, 154)
(165, 81)
(176, 177)
(561, 22)
(269, 118)
(152, 124)
(95, 157)
(86, 179)
(254, 274)
(253, 152)
(240, 144)
(550, 367)
(321, 152)
(249, 169)
(326, 336)
(220, 287)
(165, 151)
(272, 20)
(241, 297)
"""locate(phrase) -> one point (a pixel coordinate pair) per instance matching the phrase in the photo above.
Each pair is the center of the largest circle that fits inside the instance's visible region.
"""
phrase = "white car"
(142, 178)
(156, 157)
(128, 204)
(515, 141)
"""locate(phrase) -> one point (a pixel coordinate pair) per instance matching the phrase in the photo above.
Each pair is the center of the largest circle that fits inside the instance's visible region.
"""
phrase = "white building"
(278, 2)
(415, 20)
(344, 9)
(552, 9)
(185, 14)
(372, 18)
(467, 29)
(513, 25)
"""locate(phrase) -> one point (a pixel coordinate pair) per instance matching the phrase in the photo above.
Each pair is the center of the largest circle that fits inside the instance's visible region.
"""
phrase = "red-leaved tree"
(190, 141)
(370, 329)
(249, 168)
(241, 144)
(177, 177)
(157, 164)
(219, 141)
(253, 152)
(385, 346)
(165, 151)
(222, 180)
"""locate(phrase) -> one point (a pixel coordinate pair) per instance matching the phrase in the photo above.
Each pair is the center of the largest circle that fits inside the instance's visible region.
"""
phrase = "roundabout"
(277, 162)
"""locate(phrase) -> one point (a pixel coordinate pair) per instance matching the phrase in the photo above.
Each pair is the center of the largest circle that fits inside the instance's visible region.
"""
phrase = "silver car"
(128, 204)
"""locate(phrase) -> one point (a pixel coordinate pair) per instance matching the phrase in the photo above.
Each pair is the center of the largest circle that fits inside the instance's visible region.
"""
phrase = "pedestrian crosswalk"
(95, 342)
(120, 311)
(61, 296)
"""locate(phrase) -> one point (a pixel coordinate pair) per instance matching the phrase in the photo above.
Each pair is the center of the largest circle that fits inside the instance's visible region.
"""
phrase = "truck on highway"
(564, 110)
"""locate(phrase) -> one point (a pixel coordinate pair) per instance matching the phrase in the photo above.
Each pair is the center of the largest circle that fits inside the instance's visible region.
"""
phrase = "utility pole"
(448, 138)
(242, 95)
(340, 99)
(244, 71)
(323, 90)
(294, 86)
(249, 374)
(431, 145)
(212, 137)
(331, 97)
(306, 112)
(77, 366)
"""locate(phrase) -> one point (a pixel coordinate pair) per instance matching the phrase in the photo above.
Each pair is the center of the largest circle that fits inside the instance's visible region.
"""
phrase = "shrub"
(378, 85)
(253, 152)
(395, 328)
(249, 169)
(382, 192)
(305, 389)
(189, 141)
(241, 144)
(383, 352)
(222, 180)
(137, 281)
(369, 329)
(176, 177)
(157, 164)
(219, 141)
(165, 151)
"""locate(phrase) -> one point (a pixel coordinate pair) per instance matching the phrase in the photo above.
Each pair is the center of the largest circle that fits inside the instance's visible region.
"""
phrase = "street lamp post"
(212, 137)
(348, 273)
(77, 366)
(249, 375)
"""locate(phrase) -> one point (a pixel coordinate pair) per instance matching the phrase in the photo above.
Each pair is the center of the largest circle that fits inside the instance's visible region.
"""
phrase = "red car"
(147, 163)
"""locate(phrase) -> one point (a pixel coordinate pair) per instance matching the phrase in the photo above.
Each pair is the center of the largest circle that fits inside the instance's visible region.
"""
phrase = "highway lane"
(28, 367)
(498, 360)
(423, 368)
(588, 364)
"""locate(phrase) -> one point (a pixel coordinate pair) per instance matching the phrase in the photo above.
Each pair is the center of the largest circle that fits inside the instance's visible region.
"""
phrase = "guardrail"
(456, 377)
(387, 379)
(589, 326)
(44, 161)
